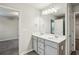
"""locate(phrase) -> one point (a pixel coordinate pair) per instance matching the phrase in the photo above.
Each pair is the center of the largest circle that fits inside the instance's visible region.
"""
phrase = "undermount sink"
(52, 37)
(48, 36)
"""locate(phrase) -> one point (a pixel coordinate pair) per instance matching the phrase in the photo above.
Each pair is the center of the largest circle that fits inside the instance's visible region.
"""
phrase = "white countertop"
(50, 37)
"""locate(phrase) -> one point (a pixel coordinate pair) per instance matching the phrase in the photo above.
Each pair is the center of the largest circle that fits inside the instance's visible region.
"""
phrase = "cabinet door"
(35, 44)
(40, 51)
(50, 43)
(41, 45)
(50, 51)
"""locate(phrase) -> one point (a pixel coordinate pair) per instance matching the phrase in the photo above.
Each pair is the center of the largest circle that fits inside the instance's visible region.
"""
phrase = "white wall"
(8, 28)
(29, 21)
(42, 24)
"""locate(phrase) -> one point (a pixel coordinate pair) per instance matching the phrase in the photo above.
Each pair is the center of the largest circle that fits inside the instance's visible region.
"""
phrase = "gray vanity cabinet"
(50, 50)
(47, 47)
(34, 43)
(53, 48)
(41, 47)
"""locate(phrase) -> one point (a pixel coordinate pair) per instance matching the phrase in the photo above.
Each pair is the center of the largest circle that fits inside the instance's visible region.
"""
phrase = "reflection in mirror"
(58, 25)
(52, 26)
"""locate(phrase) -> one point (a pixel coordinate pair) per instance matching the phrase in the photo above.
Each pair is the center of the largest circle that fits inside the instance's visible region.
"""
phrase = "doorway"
(9, 39)
(76, 32)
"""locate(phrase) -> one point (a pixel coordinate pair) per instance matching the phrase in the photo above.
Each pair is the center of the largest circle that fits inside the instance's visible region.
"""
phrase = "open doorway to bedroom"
(77, 33)
(9, 42)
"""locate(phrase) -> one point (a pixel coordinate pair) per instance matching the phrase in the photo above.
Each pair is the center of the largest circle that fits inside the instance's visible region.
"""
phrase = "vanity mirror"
(55, 13)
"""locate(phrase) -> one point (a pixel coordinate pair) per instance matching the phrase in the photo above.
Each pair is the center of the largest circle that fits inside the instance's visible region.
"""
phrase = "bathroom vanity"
(48, 44)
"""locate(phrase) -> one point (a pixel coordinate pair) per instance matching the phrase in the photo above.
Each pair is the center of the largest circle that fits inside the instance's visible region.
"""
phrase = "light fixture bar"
(49, 11)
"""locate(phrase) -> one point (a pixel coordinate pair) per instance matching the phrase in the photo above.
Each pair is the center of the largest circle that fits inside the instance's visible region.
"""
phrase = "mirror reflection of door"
(58, 26)
(52, 26)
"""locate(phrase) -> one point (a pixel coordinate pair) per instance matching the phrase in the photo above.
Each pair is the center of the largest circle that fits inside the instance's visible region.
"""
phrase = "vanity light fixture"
(49, 11)
(45, 12)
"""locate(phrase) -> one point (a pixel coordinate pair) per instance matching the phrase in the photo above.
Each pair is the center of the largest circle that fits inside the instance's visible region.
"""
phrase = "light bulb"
(49, 11)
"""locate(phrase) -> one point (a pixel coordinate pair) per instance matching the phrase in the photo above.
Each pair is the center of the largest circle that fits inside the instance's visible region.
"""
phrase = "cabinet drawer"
(34, 45)
(40, 51)
(50, 51)
(52, 44)
(40, 40)
(41, 45)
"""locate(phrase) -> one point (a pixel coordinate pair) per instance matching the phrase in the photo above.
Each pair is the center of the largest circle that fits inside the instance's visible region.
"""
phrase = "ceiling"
(46, 5)
(35, 5)
(61, 9)
(41, 6)
(7, 12)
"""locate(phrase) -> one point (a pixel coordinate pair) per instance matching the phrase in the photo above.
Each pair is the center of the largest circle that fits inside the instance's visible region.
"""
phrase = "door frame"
(75, 29)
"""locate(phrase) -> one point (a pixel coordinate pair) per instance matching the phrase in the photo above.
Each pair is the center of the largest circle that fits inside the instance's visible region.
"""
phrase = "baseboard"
(8, 39)
(25, 52)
